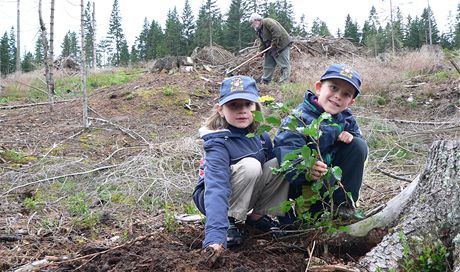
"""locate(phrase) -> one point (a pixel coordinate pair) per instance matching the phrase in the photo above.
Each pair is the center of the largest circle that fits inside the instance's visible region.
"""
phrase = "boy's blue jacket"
(286, 141)
(223, 148)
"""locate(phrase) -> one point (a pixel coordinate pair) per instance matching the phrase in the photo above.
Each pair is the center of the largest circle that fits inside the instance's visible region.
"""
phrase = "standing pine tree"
(27, 64)
(457, 28)
(141, 41)
(39, 54)
(351, 30)
(12, 51)
(188, 28)
(413, 38)
(4, 55)
(429, 27)
(124, 53)
(300, 30)
(154, 41)
(172, 37)
(115, 34)
(209, 24)
(233, 28)
(134, 55)
(319, 28)
(69, 46)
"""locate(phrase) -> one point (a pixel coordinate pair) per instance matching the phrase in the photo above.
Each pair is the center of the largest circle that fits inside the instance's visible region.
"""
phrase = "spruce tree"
(300, 30)
(155, 41)
(12, 51)
(413, 37)
(319, 29)
(141, 41)
(351, 30)
(457, 28)
(115, 34)
(39, 53)
(124, 53)
(172, 36)
(428, 21)
(27, 64)
(233, 29)
(65, 46)
(4, 55)
(188, 28)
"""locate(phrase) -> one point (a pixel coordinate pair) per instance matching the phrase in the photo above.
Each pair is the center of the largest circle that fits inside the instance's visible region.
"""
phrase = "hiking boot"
(266, 224)
(234, 237)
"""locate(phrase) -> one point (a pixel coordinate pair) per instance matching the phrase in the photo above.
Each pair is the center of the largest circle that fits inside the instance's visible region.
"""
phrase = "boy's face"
(334, 95)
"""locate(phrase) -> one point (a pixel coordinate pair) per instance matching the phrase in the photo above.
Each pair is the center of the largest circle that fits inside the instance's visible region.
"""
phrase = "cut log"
(432, 214)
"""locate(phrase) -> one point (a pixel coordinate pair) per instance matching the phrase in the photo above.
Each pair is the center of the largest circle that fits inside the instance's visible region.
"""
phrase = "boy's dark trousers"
(350, 158)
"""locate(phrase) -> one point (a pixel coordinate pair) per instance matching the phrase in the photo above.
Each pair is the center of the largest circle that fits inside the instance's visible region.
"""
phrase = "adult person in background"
(272, 34)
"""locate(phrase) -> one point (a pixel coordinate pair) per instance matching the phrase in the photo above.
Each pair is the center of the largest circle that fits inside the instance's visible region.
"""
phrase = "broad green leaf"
(273, 120)
(336, 172)
(258, 116)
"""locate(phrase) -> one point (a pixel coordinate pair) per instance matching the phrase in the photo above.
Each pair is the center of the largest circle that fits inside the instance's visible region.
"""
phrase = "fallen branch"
(332, 268)
(387, 216)
(58, 177)
(393, 175)
(33, 105)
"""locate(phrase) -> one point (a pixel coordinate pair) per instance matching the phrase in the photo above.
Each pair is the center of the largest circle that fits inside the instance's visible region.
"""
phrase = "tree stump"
(432, 214)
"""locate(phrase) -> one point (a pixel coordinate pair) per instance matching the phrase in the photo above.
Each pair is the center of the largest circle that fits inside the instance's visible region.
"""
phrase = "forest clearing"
(110, 197)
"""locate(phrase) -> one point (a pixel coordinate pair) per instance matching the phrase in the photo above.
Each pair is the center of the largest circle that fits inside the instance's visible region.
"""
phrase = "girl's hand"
(345, 137)
(318, 170)
(217, 247)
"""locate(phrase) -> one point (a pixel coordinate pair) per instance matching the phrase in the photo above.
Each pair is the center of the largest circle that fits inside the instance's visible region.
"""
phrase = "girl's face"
(238, 112)
(334, 95)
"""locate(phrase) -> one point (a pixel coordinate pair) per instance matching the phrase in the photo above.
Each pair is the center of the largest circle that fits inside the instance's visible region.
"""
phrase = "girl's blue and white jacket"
(287, 141)
(223, 148)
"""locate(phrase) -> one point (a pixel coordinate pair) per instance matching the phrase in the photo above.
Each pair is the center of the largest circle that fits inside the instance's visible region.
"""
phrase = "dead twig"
(33, 104)
(58, 177)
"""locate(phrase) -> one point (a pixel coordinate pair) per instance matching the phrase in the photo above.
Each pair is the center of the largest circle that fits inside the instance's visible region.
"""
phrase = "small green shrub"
(77, 205)
(15, 157)
(169, 219)
(169, 90)
(424, 255)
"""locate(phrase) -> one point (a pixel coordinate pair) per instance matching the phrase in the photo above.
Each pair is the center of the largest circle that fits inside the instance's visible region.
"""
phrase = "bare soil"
(155, 108)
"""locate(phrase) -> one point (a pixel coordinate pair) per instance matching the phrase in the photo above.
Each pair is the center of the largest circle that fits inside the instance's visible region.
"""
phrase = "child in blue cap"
(341, 145)
(235, 175)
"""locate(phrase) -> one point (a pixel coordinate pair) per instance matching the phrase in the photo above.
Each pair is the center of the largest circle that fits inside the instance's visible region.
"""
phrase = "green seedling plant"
(301, 162)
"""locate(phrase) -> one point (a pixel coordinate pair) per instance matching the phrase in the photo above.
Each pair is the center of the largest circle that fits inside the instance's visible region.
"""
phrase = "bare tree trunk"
(51, 55)
(18, 42)
(433, 213)
(83, 67)
(48, 75)
(94, 35)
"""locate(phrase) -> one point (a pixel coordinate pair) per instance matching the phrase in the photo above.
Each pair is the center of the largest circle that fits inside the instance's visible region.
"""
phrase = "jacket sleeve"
(351, 125)
(268, 146)
(217, 192)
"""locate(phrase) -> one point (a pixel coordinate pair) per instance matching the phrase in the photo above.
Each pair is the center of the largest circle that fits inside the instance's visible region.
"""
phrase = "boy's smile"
(334, 95)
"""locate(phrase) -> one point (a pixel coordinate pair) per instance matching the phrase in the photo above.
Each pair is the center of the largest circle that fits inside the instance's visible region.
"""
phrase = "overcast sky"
(133, 12)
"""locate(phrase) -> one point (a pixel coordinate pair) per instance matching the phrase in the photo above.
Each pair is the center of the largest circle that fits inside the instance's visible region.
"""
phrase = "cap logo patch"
(346, 71)
(236, 85)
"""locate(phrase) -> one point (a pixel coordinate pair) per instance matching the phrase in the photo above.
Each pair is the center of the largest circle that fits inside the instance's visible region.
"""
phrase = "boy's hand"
(318, 170)
(345, 137)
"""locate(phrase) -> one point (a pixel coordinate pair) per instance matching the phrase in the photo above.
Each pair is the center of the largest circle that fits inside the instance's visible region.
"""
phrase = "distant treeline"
(183, 32)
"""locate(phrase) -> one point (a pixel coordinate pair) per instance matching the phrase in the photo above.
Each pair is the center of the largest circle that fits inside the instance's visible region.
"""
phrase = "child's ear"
(318, 87)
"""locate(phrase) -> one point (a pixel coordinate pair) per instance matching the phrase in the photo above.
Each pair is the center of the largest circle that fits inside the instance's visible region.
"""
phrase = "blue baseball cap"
(344, 72)
(238, 87)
